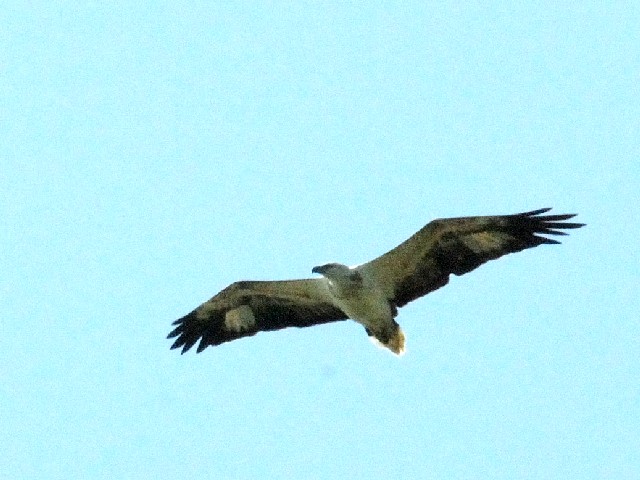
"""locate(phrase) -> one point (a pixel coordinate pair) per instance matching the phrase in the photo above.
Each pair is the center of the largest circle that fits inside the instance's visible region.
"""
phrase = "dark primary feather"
(271, 311)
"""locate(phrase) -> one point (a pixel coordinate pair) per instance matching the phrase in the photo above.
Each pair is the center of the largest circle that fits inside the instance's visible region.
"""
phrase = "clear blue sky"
(154, 152)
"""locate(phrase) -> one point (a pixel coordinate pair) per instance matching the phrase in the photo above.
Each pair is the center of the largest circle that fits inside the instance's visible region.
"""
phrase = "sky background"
(154, 152)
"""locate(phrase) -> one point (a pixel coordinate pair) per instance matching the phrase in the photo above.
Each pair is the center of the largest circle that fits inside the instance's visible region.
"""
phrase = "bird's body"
(359, 297)
(370, 293)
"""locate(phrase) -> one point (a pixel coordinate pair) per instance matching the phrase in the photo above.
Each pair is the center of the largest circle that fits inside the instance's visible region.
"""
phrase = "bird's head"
(333, 271)
(336, 272)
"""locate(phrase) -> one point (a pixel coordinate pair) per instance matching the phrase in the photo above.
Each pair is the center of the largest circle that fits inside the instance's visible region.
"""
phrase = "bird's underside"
(372, 292)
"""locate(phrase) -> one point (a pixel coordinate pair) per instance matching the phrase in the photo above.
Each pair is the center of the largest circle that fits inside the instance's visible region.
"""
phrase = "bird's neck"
(348, 285)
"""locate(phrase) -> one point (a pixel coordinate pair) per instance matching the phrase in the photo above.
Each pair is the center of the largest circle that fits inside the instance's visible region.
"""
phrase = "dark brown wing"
(271, 306)
(424, 262)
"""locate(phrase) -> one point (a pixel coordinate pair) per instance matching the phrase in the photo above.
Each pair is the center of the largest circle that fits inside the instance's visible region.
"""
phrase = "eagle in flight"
(370, 293)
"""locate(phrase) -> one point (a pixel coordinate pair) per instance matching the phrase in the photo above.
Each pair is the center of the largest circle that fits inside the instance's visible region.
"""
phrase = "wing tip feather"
(534, 212)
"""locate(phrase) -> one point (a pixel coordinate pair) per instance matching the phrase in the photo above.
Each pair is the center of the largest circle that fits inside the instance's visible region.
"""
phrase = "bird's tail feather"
(394, 342)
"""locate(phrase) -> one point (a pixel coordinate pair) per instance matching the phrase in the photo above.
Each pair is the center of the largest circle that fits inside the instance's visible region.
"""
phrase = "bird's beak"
(319, 270)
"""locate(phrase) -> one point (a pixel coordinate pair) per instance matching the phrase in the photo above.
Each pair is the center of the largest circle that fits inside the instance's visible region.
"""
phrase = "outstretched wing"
(424, 262)
(246, 308)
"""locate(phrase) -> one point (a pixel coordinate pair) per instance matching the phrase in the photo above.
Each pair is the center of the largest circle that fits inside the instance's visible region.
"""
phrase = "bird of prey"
(370, 293)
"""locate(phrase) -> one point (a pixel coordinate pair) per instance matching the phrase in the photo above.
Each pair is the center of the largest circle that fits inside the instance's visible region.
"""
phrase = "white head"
(333, 271)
